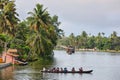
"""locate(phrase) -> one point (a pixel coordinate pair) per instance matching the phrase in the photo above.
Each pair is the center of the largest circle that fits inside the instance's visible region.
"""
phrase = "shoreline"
(93, 50)
(4, 65)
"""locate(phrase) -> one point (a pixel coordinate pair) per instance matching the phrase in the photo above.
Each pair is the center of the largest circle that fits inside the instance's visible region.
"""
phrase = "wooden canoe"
(89, 71)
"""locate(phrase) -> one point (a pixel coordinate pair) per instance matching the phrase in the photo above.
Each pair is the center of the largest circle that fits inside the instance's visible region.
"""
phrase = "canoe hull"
(89, 71)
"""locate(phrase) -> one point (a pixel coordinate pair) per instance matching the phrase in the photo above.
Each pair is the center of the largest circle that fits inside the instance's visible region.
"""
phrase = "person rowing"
(57, 70)
(53, 69)
(44, 69)
(73, 69)
(61, 69)
(80, 69)
(65, 70)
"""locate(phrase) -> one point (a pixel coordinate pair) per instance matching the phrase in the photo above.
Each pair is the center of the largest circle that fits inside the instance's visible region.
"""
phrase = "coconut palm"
(56, 32)
(40, 23)
(8, 17)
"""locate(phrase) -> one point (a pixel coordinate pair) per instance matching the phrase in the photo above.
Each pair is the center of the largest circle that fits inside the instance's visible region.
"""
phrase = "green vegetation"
(37, 36)
(99, 42)
(34, 37)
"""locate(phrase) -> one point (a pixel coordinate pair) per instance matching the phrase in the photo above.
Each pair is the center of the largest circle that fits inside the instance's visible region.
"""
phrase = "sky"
(92, 16)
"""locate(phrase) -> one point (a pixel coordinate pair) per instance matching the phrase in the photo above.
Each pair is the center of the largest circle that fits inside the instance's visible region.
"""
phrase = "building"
(9, 56)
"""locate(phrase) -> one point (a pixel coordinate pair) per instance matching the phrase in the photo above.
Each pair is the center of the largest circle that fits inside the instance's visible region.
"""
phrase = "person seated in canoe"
(61, 69)
(65, 70)
(73, 69)
(80, 69)
(53, 69)
(44, 69)
(57, 70)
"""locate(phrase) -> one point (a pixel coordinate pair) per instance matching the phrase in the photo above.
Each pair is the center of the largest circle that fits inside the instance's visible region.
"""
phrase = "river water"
(105, 66)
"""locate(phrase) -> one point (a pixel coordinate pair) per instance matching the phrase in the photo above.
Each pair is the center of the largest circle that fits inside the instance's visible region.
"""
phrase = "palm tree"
(72, 39)
(84, 39)
(114, 39)
(8, 17)
(56, 23)
(114, 34)
(40, 22)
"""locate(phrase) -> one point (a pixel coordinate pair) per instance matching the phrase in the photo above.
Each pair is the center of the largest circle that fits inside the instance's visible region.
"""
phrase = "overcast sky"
(92, 16)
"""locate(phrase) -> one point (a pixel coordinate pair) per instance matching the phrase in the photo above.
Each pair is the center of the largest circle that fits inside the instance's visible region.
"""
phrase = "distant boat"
(70, 49)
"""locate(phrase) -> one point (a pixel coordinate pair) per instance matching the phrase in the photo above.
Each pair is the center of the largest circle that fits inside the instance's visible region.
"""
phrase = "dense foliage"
(85, 41)
(34, 37)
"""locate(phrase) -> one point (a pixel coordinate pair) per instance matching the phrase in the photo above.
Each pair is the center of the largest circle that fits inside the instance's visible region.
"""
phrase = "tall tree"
(84, 39)
(8, 17)
(115, 41)
(72, 39)
(44, 34)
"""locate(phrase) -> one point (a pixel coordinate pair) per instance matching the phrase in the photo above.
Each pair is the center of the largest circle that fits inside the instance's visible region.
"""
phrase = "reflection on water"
(7, 73)
(106, 66)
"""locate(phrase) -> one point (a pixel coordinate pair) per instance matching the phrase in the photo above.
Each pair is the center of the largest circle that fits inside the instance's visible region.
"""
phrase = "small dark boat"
(89, 71)
(21, 63)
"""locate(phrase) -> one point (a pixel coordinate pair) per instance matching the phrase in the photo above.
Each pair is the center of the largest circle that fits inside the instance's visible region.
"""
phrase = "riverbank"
(95, 50)
(4, 65)
(111, 51)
